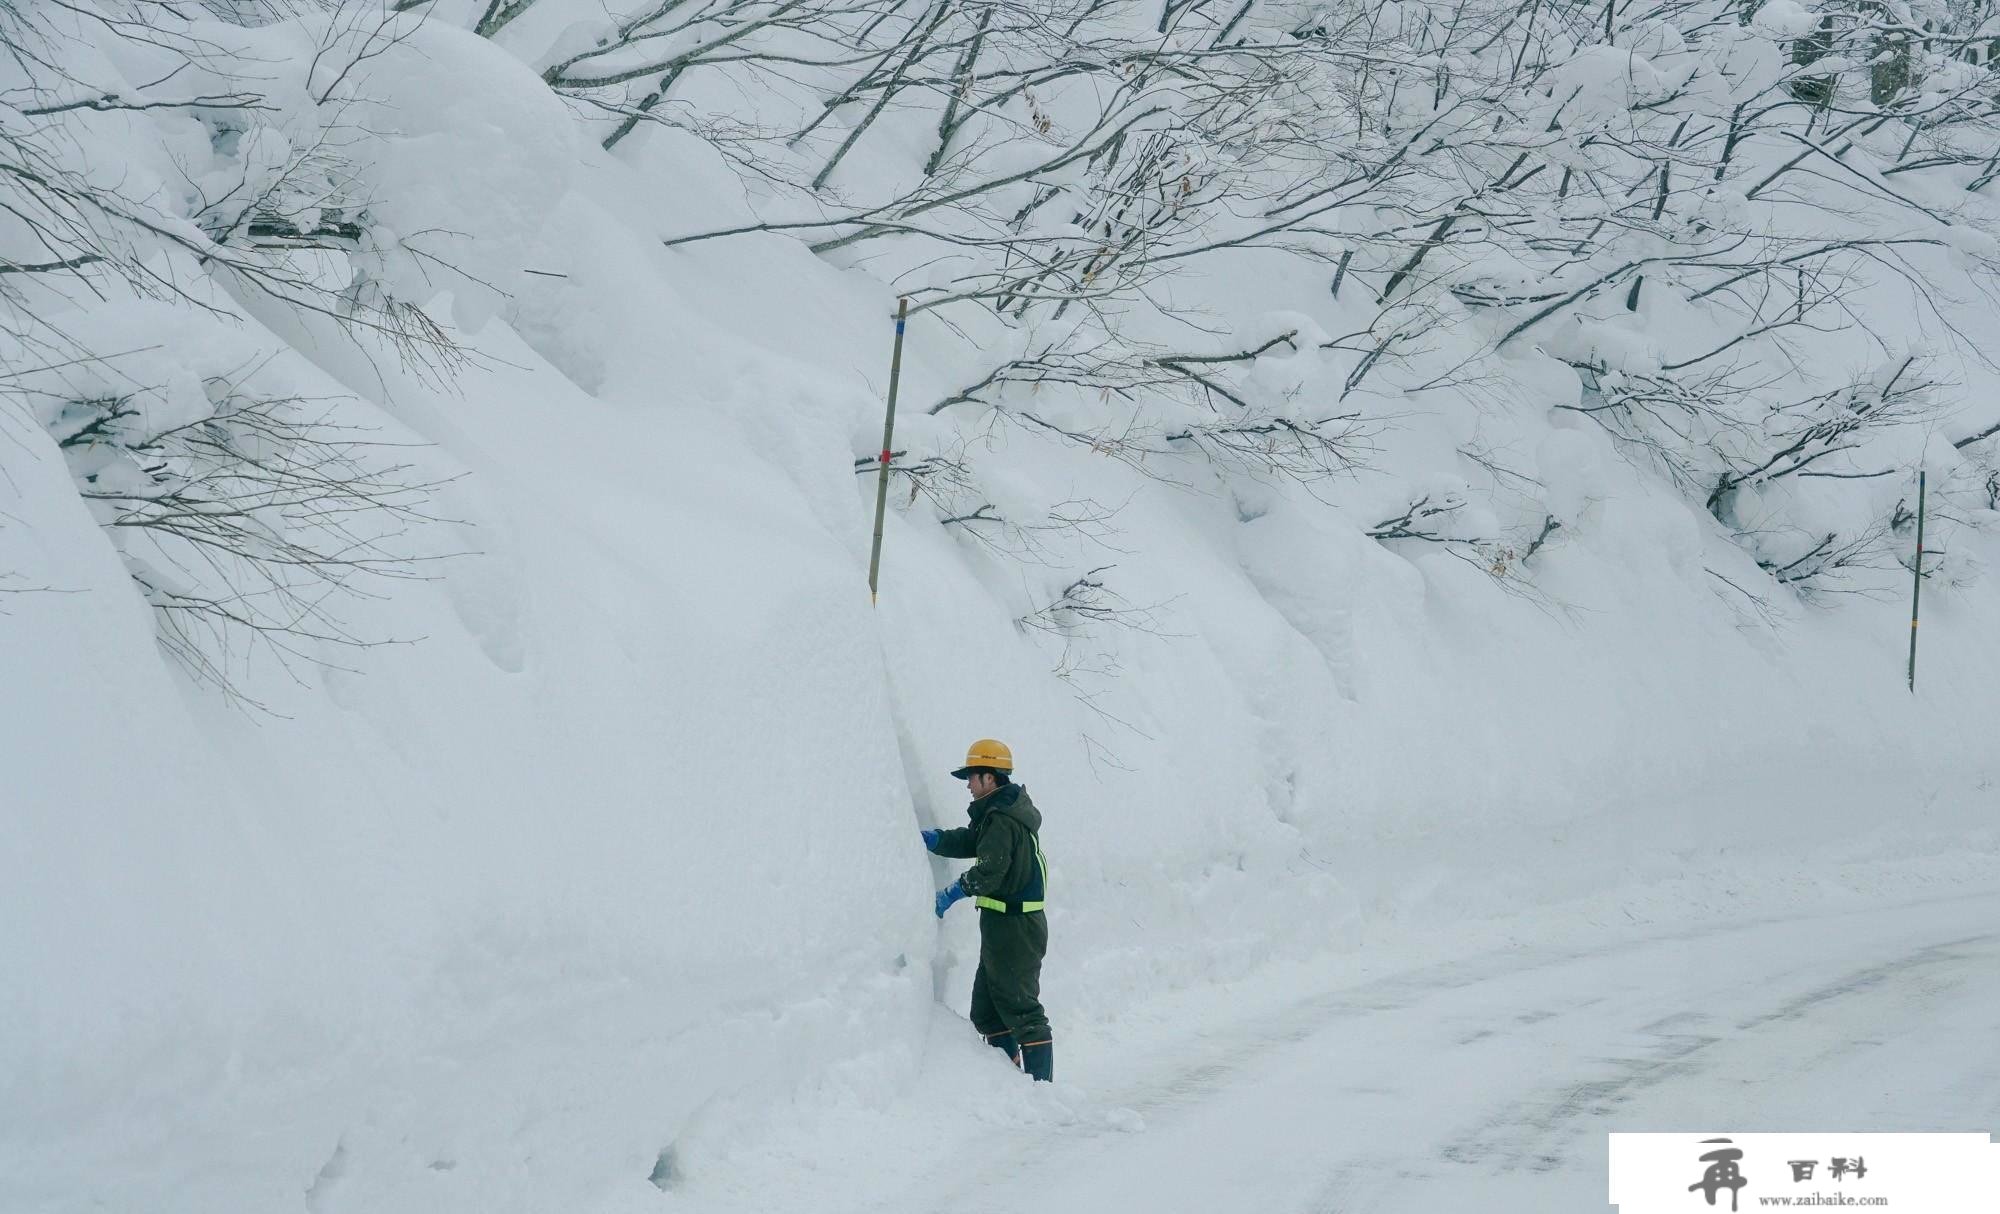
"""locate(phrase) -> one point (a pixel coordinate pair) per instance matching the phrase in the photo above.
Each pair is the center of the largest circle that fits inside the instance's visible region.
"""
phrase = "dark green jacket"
(1002, 839)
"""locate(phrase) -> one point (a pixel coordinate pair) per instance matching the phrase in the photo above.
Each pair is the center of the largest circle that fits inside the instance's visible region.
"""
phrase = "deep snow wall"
(650, 747)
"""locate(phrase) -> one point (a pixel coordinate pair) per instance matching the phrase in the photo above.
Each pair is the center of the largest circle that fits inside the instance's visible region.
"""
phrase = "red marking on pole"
(886, 455)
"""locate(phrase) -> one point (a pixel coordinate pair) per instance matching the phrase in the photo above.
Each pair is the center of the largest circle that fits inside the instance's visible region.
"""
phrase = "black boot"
(1038, 1058)
(1005, 1041)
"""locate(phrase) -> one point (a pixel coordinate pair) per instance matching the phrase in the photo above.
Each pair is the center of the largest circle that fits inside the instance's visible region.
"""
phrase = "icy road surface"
(1484, 1083)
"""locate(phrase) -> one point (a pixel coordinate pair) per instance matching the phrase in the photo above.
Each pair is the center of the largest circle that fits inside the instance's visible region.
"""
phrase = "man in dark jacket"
(1009, 884)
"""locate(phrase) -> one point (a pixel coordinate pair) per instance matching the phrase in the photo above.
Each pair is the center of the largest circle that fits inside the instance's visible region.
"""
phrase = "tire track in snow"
(1306, 1058)
(1537, 1134)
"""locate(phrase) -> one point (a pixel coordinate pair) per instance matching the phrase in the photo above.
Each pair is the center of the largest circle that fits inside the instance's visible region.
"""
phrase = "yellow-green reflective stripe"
(998, 905)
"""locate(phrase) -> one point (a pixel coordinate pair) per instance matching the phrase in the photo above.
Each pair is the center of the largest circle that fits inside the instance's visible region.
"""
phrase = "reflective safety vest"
(1033, 896)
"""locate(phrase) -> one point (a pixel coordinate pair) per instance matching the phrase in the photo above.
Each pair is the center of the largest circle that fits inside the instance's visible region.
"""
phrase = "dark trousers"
(1007, 990)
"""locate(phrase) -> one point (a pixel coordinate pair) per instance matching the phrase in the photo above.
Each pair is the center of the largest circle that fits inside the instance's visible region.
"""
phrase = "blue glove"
(930, 839)
(948, 895)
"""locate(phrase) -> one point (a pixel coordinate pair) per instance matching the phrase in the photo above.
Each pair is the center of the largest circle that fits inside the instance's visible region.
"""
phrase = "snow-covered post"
(888, 438)
(1917, 591)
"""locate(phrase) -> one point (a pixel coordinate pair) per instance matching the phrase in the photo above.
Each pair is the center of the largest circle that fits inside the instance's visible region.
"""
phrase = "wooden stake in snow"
(888, 439)
(1917, 592)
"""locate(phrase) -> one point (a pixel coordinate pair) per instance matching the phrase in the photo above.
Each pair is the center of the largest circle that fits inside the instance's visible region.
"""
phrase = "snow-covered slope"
(486, 885)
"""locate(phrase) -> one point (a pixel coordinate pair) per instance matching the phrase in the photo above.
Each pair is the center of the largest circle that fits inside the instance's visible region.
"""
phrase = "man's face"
(980, 784)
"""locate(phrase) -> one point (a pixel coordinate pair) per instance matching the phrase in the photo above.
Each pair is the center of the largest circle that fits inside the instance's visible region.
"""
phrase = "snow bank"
(625, 843)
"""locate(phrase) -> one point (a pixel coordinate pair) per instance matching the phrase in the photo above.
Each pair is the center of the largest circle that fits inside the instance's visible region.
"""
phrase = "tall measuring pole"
(888, 442)
(1917, 591)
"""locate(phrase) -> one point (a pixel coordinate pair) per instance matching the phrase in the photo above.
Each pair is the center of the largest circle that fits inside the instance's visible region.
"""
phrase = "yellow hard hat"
(986, 753)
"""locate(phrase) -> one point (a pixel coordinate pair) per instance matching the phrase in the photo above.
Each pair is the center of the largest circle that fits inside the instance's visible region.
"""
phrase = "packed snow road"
(1489, 1084)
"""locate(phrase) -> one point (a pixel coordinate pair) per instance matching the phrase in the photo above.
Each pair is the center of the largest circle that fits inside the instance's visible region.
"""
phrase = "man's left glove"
(948, 895)
(930, 839)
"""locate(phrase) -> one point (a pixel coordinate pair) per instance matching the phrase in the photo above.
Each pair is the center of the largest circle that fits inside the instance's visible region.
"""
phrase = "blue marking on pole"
(899, 328)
